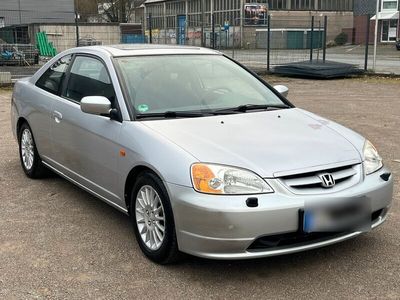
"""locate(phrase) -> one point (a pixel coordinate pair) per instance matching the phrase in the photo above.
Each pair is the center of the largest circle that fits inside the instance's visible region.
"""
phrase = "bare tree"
(86, 9)
(118, 11)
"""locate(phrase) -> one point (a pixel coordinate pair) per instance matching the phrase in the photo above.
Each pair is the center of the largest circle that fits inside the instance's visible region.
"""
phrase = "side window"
(89, 77)
(51, 80)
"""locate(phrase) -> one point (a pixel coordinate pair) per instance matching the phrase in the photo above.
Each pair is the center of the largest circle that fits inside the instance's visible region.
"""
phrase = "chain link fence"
(28, 38)
(355, 45)
(281, 41)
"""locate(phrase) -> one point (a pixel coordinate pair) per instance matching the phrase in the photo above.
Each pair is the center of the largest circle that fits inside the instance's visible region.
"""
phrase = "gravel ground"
(57, 241)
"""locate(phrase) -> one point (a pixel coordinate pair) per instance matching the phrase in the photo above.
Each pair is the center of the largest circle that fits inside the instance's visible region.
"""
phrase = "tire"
(150, 217)
(30, 160)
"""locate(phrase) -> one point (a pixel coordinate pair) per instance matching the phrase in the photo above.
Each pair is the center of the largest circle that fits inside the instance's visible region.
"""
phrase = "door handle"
(57, 116)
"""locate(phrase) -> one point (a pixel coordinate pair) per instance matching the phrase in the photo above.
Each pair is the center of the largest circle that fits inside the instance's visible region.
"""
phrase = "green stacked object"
(45, 47)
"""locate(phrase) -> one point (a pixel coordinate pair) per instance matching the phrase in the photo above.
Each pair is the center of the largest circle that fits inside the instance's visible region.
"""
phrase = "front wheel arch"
(168, 252)
(131, 180)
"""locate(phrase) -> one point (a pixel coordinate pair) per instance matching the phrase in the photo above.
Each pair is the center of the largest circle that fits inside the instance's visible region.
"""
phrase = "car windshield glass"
(192, 83)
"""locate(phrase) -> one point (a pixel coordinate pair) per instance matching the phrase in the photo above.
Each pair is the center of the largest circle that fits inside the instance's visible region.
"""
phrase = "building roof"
(394, 15)
(152, 1)
(37, 11)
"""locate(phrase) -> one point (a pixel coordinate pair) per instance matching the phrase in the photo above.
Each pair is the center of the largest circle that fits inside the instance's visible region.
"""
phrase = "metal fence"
(280, 41)
(29, 40)
(357, 47)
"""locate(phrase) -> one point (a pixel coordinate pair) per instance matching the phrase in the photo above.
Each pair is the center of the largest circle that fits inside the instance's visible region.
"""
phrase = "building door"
(181, 34)
(295, 39)
(317, 39)
(389, 30)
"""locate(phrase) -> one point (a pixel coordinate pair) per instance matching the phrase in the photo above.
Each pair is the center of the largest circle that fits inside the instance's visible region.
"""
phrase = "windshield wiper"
(194, 114)
(171, 115)
(247, 107)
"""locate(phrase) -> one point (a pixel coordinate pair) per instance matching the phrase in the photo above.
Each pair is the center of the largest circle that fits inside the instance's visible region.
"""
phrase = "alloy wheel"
(150, 217)
(27, 149)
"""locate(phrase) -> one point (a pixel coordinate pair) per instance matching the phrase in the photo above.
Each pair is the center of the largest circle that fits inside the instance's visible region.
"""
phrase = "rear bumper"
(14, 118)
(223, 227)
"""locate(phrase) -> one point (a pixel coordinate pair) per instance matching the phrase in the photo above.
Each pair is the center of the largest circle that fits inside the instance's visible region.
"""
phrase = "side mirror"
(282, 89)
(96, 105)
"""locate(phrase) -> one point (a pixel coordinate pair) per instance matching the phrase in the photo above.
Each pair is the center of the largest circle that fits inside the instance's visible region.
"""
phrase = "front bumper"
(224, 227)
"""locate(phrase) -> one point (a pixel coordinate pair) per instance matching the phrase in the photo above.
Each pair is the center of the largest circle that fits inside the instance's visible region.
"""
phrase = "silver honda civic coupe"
(203, 155)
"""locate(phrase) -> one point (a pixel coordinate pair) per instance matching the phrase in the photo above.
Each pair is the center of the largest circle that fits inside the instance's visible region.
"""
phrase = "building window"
(335, 5)
(277, 4)
(157, 15)
(194, 13)
(173, 9)
(226, 11)
(389, 30)
(302, 4)
(389, 4)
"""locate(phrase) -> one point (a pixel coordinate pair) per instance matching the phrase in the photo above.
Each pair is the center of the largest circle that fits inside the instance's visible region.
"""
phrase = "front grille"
(310, 182)
(299, 238)
(290, 239)
(377, 214)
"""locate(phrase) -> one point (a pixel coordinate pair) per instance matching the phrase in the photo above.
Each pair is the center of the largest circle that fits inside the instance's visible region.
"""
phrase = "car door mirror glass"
(282, 89)
(96, 105)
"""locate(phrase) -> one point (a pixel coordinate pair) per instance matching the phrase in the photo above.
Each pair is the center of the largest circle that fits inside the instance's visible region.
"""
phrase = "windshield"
(191, 83)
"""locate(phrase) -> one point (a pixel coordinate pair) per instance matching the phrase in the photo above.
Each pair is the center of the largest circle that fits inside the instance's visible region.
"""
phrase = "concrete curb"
(5, 79)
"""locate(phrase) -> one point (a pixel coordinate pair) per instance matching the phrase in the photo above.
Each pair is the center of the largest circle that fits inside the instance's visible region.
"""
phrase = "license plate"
(352, 215)
(308, 222)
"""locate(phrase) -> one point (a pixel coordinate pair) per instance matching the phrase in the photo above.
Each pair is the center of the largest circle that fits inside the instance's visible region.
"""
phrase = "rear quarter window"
(52, 78)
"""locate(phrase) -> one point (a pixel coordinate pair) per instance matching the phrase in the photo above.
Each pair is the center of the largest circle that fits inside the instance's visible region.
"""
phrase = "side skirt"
(120, 208)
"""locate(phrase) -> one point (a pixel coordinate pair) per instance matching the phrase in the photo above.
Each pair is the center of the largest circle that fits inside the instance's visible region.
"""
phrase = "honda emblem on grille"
(327, 180)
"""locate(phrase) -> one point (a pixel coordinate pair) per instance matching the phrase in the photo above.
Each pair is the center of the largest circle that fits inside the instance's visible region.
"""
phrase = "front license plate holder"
(350, 215)
(308, 221)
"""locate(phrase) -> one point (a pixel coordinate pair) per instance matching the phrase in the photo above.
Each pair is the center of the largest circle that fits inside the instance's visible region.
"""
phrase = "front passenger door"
(85, 146)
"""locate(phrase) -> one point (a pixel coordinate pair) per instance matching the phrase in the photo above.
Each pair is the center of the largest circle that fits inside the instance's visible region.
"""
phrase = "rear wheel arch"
(28, 151)
(20, 121)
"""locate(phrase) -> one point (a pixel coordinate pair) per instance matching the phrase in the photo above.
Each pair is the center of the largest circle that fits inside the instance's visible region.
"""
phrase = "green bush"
(341, 39)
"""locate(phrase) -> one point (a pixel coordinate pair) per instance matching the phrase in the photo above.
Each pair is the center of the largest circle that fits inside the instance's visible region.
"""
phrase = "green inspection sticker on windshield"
(143, 107)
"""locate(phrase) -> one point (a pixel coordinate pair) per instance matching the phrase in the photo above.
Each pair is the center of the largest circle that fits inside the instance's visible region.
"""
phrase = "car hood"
(270, 143)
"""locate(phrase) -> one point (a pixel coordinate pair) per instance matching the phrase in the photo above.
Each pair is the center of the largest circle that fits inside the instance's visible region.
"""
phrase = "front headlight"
(372, 160)
(226, 180)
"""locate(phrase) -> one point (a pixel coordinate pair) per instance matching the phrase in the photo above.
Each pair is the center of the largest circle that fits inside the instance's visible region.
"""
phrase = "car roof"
(148, 49)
